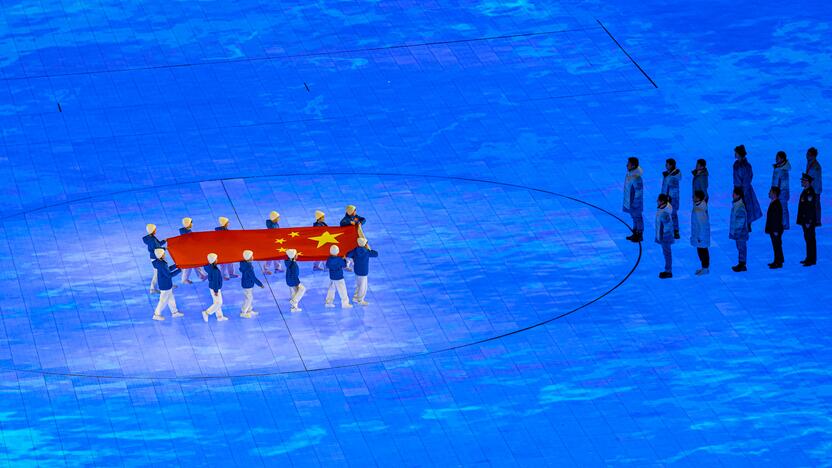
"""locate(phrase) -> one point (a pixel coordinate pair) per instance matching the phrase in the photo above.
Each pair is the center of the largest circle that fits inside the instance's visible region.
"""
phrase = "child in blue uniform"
(187, 228)
(351, 218)
(335, 265)
(248, 280)
(319, 221)
(293, 280)
(272, 223)
(165, 276)
(215, 286)
(227, 268)
(361, 255)
(153, 243)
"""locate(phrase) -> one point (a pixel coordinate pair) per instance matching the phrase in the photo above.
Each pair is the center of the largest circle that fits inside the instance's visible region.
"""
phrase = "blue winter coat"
(814, 170)
(362, 256)
(165, 274)
(247, 277)
(738, 229)
(670, 186)
(634, 192)
(319, 224)
(743, 175)
(700, 182)
(700, 226)
(214, 276)
(292, 273)
(348, 219)
(221, 228)
(780, 178)
(336, 267)
(272, 224)
(152, 244)
(664, 225)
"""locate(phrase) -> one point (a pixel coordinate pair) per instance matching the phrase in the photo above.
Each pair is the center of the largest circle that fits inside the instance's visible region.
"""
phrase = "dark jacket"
(362, 256)
(807, 213)
(292, 273)
(347, 220)
(153, 243)
(214, 276)
(248, 278)
(166, 274)
(774, 218)
(336, 265)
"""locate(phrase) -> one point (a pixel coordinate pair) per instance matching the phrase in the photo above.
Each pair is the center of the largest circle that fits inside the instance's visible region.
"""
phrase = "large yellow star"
(294, 234)
(326, 238)
(279, 241)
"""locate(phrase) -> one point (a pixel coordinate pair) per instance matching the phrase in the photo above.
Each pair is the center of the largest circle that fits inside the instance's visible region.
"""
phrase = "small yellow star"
(299, 254)
(294, 234)
(281, 249)
(279, 241)
(326, 238)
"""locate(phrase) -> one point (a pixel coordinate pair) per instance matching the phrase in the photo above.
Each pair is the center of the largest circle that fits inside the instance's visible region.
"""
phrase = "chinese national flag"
(312, 243)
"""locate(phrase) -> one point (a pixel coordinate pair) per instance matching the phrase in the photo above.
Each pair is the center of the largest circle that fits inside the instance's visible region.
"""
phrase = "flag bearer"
(215, 286)
(187, 228)
(249, 279)
(361, 255)
(165, 276)
(351, 218)
(272, 223)
(319, 222)
(336, 265)
(293, 280)
(227, 268)
(153, 243)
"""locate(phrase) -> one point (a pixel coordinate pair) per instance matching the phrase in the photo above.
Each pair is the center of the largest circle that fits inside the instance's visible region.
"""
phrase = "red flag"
(312, 243)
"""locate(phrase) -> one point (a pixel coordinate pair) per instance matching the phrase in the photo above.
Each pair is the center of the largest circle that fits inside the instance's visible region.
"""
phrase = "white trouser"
(248, 299)
(321, 265)
(360, 288)
(166, 299)
(277, 265)
(154, 280)
(186, 273)
(297, 293)
(341, 286)
(350, 263)
(216, 307)
(227, 268)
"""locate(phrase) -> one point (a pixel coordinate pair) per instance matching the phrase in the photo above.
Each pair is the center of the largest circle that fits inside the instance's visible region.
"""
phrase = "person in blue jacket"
(165, 275)
(335, 265)
(743, 177)
(215, 286)
(361, 255)
(248, 280)
(671, 178)
(807, 219)
(738, 229)
(780, 179)
(153, 243)
(227, 268)
(293, 280)
(319, 222)
(187, 228)
(814, 171)
(351, 218)
(664, 233)
(774, 227)
(700, 231)
(700, 178)
(634, 198)
(273, 223)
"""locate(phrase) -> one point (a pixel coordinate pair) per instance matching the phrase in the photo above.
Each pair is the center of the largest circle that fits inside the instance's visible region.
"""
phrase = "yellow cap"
(350, 209)
(223, 220)
(186, 222)
(151, 228)
(319, 214)
(274, 215)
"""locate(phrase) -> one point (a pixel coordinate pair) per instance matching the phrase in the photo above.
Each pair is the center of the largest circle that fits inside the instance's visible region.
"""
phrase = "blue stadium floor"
(510, 324)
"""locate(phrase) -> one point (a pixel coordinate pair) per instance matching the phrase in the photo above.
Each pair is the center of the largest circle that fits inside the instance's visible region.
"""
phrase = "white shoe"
(348, 269)
(346, 306)
(364, 303)
(158, 317)
(295, 309)
(177, 314)
(253, 313)
(329, 306)
(155, 291)
(205, 316)
(222, 319)
(245, 315)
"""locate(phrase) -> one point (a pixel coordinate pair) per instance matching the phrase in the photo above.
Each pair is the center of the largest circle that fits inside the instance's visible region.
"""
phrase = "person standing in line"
(700, 231)
(813, 169)
(293, 280)
(780, 179)
(273, 223)
(738, 229)
(671, 178)
(807, 217)
(634, 198)
(165, 275)
(319, 222)
(227, 268)
(335, 265)
(351, 218)
(153, 243)
(248, 280)
(215, 286)
(664, 233)
(361, 255)
(700, 178)
(187, 228)
(743, 176)
(775, 227)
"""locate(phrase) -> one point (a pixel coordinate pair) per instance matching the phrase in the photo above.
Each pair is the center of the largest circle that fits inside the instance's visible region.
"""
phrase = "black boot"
(739, 267)
(665, 275)
(676, 234)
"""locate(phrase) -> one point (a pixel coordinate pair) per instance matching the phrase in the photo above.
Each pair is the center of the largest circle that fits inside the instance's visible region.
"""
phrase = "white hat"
(362, 242)
(212, 258)
(319, 214)
(186, 222)
(223, 220)
(274, 215)
(334, 250)
(248, 254)
(159, 253)
(151, 228)
(350, 208)
(291, 253)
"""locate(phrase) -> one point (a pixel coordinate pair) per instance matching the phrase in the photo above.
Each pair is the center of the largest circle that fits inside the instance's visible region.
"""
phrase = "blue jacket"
(221, 228)
(738, 230)
(336, 267)
(247, 277)
(634, 192)
(814, 170)
(184, 230)
(700, 182)
(152, 244)
(670, 186)
(664, 225)
(214, 276)
(166, 273)
(362, 256)
(700, 226)
(348, 219)
(292, 273)
(319, 224)
(271, 224)
(743, 175)
(780, 178)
